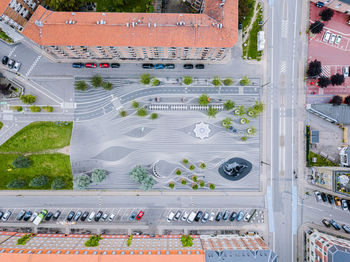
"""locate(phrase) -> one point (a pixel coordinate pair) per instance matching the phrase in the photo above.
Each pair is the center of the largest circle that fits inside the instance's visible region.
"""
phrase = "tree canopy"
(204, 100)
(140, 175)
(314, 69)
(326, 14)
(336, 100)
(316, 27)
(337, 79)
(98, 175)
(323, 81)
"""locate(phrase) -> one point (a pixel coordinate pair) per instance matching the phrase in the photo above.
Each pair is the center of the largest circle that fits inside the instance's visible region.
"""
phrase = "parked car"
(188, 66)
(4, 60)
(7, 215)
(338, 39)
(56, 215)
(184, 216)
(218, 216)
(337, 201)
(77, 216)
(70, 215)
(91, 216)
(346, 228)
(11, 63)
(205, 217)
(48, 216)
(140, 215)
(27, 215)
(177, 215)
(348, 202)
(330, 199)
(319, 4)
(21, 215)
(226, 215)
(132, 216)
(191, 217)
(344, 205)
(104, 65)
(324, 197)
(346, 71)
(240, 216)
(326, 222)
(318, 195)
(104, 217)
(98, 216)
(35, 214)
(199, 66)
(1, 214)
(158, 66)
(111, 217)
(115, 65)
(326, 36)
(84, 216)
(90, 65)
(247, 217)
(169, 66)
(147, 66)
(332, 39)
(334, 224)
(212, 216)
(198, 216)
(78, 65)
(233, 216)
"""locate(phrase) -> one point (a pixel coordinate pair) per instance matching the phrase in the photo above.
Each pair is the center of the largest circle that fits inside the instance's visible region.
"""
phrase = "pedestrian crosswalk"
(283, 66)
(33, 65)
(284, 28)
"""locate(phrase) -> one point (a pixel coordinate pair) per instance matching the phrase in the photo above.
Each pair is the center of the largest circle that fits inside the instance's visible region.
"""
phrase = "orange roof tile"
(3, 5)
(145, 29)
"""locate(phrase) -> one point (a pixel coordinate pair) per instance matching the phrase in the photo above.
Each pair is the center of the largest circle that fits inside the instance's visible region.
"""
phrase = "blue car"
(240, 216)
(158, 66)
(78, 65)
(334, 224)
(132, 216)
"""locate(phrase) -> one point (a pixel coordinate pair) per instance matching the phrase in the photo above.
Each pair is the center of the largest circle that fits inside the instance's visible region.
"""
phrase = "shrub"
(212, 111)
(212, 186)
(154, 116)
(35, 108)
(336, 100)
(178, 172)
(155, 82)
(80, 85)
(82, 181)
(192, 167)
(16, 108)
(203, 165)
(228, 82)
(323, 81)
(171, 185)
(128, 242)
(107, 85)
(1, 125)
(326, 14)
(244, 120)
(98, 175)
(228, 105)
(47, 108)
(123, 113)
(194, 186)
(194, 178)
(93, 241)
(135, 104)
(188, 80)
(21, 162)
(28, 99)
(201, 183)
(145, 79)
(315, 69)
(185, 161)
(24, 239)
(140, 175)
(16, 184)
(244, 138)
(226, 122)
(216, 81)
(337, 79)
(58, 183)
(39, 181)
(142, 112)
(204, 100)
(96, 81)
(186, 241)
(183, 181)
(245, 81)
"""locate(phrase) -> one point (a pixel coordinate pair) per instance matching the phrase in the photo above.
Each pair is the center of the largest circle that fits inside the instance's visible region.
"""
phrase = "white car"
(318, 195)
(331, 41)
(17, 66)
(346, 71)
(170, 216)
(326, 36)
(212, 216)
(35, 214)
(91, 216)
(191, 217)
(184, 216)
(246, 217)
(338, 39)
(111, 217)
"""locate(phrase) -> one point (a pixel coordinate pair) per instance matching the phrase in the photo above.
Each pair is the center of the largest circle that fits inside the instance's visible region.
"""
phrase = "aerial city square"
(179, 130)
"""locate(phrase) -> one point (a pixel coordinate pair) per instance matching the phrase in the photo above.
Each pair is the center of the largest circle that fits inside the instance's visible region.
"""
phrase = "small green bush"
(155, 82)
(183, 181)
(228, 82)
(107, 85)
(1, 124)
(128, 242)
(142, 112)
(21, 162)
(83, 181)
(216, 81)
(28, 99)
(186, 241)
(24, 239)
(154, 116)
(195, 187)
(123, 113)
(212, 111)
(135, 104)
(171, 185)
(47, 108)
(204, 100)
(244, 138)
(80, 85)
(93, 241)
(146, 79)
(212, 186)
(188, 80)
(98, 175)
(185, 161)
(245, 81)
(35, 108)
(178, 172)
(229, 105)
(16, 108)
(192, 167)
(203, 165)
(194, 178)
(39, 181)
(96, 81)
(201, 183)
(58, 183)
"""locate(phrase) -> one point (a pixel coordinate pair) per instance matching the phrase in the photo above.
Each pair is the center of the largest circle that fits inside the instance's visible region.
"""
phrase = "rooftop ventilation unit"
(66, 21)
(155, 25)
(133, 24)
(70, 22)
(127, 24)
(73, 13)
(149, 25)
(98, 22)
(139, 21)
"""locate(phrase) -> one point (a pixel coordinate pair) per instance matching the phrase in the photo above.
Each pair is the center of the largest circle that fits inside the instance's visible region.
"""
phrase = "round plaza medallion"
(202, 130)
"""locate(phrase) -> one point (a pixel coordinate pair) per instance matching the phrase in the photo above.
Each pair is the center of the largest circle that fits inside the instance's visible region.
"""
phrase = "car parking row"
(335, 225)
(331, 38)
(12, 64)
(144, 66)
(327, 198)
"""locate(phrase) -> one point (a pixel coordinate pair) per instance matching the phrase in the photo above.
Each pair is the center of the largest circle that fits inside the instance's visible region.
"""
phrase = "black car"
(1, 214)
(98, 216)
(21, 215)
(78, 65)
(188, 66)
(199, 66)
(169, 66)
(334, 224)
(348, 202)
(147, 66)
(56, 215)
(324, 197)
(233, 216)
(218, 216)
(115, 65)
(49, 216)
(77, 216)
(226, 215)
(27, 215)
(326, 222)
(346, 228)
(5, 59)
(198, 216)
(70, 215)
(330, 199)
(84, 216)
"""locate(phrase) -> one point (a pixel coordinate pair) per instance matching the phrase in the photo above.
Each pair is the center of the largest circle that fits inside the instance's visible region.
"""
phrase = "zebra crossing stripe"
(33, 65)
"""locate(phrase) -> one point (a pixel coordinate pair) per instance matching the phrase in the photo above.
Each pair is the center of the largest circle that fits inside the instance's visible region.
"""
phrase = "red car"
(90, 65)
(104, 65)
(140, 215)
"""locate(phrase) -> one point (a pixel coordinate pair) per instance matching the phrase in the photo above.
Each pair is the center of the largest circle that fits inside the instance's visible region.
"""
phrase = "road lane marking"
(33, 65)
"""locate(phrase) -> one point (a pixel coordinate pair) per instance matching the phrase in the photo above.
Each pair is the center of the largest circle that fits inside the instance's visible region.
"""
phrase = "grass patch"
(140, 6)
(252, 52)
(51, 165)
(321, 161)
(5, 37)
(39, 136)
(246, 12)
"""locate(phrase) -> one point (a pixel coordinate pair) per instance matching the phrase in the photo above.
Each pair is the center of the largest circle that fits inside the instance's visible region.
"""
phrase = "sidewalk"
(16, 37)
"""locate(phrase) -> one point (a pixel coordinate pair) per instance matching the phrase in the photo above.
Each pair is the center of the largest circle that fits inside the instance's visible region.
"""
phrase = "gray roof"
(338, 254)
(240, 256)
(339, 113)
(345, 1)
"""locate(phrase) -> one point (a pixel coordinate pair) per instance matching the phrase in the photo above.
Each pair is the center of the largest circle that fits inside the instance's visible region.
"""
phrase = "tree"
(28, 99)
(16, 108)
(212, 111)
(194, 178)
(82, 181)
(226, 122)
(183, 181)
(39, 181)
(123, 113)
(80, 85)
(5, 89)
(251, 131)
(96, 81)
(337, 79)
(186, 241)
(185, 161)
(228, 82)
(245, 81)
(21, 162)
(148, 183)
(155, 82)
(347, 100)
(135, 104)
(204, 100)
(240, 110)
(201, 183)
(326, 14)
(203, 165)
(93, 241)
(16, 184)
(107, 85)
(58, 183)
(192, 167)
(188, 80)
(178, 172)
(35, 108)
(140, 175)
(323, 81)
(146, 79)
(336, 100)
(142, 112)
(47, 108)
(244, 120)
(212, 186)
(171, 185)
(228, 105)
(316, 27)
(194, 186)
(1, 125)
(314, 69)
(258, 107)
(98, 175)
(64, 5)
(154, 116)
(216, 81)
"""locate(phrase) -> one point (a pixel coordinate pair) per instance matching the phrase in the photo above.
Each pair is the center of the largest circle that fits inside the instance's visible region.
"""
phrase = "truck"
(40, 217)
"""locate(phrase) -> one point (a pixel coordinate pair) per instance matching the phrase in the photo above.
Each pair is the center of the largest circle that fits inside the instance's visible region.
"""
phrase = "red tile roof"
(144, 29)
(3, 5)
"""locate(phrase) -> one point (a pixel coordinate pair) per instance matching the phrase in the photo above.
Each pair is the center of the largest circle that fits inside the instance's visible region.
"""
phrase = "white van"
(91, 216)
(326, 36)
(191, 217)
(170, 216)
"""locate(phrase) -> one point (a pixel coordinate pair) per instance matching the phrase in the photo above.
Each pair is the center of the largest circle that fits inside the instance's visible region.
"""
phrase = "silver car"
(17, 66)
(346, 71)
(331, 41)
(205, 217)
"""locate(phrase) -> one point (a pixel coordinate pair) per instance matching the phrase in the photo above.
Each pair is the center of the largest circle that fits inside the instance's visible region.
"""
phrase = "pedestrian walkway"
(11, 32)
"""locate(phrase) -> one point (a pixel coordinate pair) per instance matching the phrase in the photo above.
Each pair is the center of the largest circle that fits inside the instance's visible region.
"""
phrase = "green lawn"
(252, 51)
(321, 161)
(246, 12)
(135, 6)
(51, 165)
(39, 136)
(5, 37)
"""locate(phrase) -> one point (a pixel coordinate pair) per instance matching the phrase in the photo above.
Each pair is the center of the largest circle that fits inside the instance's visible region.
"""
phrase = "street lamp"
(262, 162)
